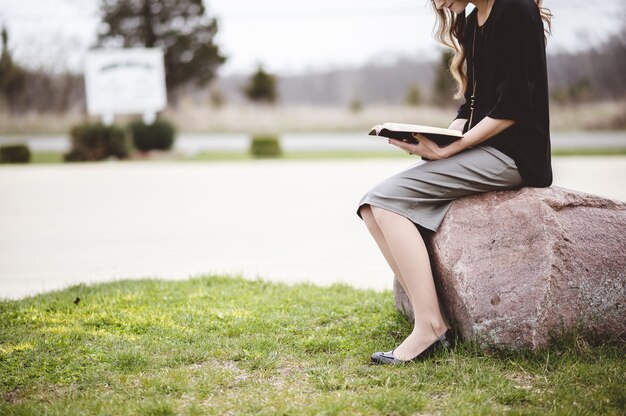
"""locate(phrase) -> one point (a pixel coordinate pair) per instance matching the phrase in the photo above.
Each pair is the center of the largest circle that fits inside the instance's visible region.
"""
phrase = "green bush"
(14, 153)
(95, 141)
(356, 106)
(265, 146)
(156, 136)
(413, 95)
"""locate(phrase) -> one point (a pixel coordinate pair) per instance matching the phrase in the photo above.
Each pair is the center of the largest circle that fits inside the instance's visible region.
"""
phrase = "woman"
(506, 145)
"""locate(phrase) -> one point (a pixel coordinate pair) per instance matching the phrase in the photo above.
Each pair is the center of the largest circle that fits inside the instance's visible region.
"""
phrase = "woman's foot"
(413, 348)
(417, 342)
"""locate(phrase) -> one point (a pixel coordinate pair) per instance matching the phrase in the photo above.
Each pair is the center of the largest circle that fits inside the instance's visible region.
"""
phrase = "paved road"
(283, 220)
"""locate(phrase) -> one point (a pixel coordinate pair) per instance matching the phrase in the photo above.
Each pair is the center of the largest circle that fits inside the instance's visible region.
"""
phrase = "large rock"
(513, 268)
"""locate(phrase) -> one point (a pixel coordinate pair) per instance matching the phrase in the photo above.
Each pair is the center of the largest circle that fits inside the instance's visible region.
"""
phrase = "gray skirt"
(424, 193)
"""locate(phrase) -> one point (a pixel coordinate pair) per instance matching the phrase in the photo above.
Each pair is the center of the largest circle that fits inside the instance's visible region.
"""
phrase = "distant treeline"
(369, 84)
(596, 74)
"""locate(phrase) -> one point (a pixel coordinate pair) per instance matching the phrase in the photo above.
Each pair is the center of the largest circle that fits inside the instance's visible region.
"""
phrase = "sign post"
(125, 81)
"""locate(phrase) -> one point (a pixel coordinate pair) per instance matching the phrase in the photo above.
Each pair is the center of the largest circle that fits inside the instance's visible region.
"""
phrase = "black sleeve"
(513, 61)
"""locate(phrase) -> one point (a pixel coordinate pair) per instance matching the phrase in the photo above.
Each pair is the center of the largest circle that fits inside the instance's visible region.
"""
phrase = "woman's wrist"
(455, 147)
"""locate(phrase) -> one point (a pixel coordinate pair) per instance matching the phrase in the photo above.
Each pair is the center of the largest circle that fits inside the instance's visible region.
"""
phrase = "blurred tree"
(413, 95)
(5, 59)
(180, 27)
(11, 75)
(216, 98)
(443, 89)
(574, 93)
(262, 86)
(356, 105)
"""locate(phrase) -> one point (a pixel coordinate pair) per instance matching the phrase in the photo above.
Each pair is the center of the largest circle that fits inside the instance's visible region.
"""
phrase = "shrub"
(262, 86)
(265, 146)
(356, 105)
(95, 141)
(413, 95)
(217, 98)
(156, 136)
(14, 153)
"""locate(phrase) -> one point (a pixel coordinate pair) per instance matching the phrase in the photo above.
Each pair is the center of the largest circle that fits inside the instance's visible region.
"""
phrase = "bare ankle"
(430, 326)
(439, 327)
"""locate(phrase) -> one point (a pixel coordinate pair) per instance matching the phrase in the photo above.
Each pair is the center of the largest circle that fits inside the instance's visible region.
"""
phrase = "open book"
(400, 131)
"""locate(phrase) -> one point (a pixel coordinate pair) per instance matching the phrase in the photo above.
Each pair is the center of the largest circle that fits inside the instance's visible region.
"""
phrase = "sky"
(288, 36)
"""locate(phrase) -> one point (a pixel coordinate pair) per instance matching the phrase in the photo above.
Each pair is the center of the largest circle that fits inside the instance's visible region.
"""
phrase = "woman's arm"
(485, 129)
(458, 124)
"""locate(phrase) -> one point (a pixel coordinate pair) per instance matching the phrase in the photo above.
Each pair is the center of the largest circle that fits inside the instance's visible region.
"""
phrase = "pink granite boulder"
(515, 268)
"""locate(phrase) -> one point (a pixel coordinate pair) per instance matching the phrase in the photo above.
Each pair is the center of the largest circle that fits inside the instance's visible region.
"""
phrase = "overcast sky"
(289, 36)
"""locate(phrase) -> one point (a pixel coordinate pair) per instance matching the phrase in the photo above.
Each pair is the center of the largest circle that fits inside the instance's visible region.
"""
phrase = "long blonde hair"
(450, 31)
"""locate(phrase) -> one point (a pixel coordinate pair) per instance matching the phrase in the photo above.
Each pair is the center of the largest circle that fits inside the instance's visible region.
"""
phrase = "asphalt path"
(290, 221)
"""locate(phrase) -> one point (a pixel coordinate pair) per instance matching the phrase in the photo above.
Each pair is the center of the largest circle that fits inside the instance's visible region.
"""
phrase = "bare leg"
(374, 229)
(407, 249)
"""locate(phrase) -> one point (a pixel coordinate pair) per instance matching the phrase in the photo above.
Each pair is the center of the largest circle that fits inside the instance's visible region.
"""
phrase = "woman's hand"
(425, 147)
(485, 129)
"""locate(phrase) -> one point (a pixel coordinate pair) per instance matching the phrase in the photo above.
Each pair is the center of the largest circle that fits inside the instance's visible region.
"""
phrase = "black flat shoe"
(388, 357)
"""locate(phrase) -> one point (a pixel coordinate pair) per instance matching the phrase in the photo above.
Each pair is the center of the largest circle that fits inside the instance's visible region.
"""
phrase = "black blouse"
(512, 84)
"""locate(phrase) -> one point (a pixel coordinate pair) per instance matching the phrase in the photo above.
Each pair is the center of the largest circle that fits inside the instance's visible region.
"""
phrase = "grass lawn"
(330, 154)
(57, 157)
(46, 157)
(221, 345)
(301, 155)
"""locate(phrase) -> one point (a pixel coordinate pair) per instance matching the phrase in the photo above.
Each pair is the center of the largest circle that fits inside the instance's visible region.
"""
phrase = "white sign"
(125, 81)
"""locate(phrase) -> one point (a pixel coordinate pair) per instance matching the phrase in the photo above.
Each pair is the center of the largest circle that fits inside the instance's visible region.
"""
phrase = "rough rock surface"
(513, 268)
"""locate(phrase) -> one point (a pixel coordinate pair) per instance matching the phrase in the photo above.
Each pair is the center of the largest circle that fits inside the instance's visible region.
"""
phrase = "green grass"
(46, 157)
(321, 155)
(55, 157)
(302, 155)
(619, 151)
(231, 156)
(219, 345)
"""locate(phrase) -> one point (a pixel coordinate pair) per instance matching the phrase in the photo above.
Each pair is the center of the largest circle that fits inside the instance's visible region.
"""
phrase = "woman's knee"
(366, 213)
